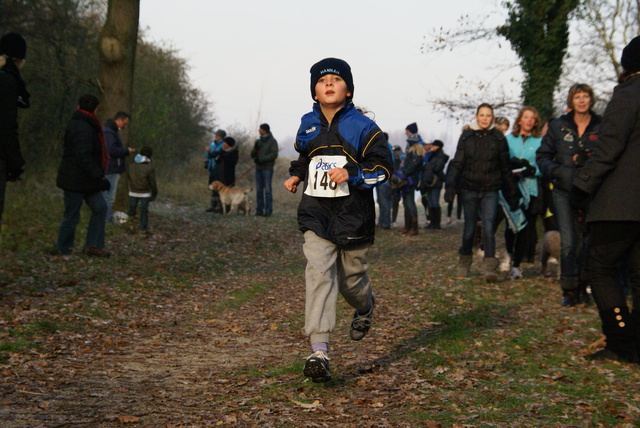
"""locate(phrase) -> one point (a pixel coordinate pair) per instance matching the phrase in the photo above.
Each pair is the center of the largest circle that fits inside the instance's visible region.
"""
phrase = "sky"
(251, 58)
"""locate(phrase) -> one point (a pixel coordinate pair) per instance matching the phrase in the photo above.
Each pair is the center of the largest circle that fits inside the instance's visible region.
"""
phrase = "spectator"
(264, 154)
(226, 162)
(117, 156)
(432, 180)
(385, 195)
(567, 144)
(82, 177)
(13, 94)
(480, 168)
(142, 186)
(213, 150)
(611, 178)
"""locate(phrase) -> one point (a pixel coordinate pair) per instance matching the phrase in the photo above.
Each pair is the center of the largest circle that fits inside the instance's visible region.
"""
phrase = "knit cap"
(331, 66)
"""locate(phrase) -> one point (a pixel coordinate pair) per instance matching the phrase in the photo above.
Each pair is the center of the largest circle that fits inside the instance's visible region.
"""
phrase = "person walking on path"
(481, 168)
(343, 155)
(117, 156)
(13, 94)
(82, 177)
(608, 188)
(264, 154)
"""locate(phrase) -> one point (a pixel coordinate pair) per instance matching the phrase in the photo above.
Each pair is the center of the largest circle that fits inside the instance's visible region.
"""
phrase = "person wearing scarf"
(13, 94)
(82, 178)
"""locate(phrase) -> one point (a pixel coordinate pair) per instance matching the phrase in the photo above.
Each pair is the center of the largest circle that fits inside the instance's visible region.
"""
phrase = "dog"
(236, 197)
(550, 248)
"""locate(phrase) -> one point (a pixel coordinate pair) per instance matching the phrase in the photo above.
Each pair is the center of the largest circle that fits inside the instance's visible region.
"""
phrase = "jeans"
(144, 210)
(264, 192)
(570, 242)
(483, 205)
(433, 197)
(384, 193)
(409, 202)
(71, 218)
(609, 243)
(110, 195)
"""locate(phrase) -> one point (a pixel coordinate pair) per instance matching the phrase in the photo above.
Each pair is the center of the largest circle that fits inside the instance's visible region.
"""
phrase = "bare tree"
(117, 46)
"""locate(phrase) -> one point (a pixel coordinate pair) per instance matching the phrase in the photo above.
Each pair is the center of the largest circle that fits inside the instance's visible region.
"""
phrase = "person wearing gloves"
(82, 177)
(13, 94)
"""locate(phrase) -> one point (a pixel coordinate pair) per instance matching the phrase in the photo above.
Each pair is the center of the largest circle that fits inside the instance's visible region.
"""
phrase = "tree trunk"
(117, 47)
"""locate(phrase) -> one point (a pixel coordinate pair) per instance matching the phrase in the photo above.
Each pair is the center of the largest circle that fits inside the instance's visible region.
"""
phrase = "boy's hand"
(292, 184)
(338, 175)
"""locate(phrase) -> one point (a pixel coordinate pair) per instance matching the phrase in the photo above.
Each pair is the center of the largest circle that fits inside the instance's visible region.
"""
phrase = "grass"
(442, 350)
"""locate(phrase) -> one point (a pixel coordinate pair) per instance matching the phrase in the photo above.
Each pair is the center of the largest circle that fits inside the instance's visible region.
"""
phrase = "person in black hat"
(607, 187)
(343, 155)
(226, 161)
(432, 181)
(264, 154)
(13, 94)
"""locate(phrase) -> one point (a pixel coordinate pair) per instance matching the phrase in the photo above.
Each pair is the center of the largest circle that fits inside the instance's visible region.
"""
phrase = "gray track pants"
(332, 269)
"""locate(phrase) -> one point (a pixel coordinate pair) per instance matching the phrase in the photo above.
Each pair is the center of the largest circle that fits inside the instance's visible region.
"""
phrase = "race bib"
(319, 184)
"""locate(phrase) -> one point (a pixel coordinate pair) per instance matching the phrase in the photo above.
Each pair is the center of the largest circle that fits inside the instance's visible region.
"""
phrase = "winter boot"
(489, 266)
(413, 231)
(407, 224)
(570, 291)
(464, 263)
(436, 215)
(618, 329)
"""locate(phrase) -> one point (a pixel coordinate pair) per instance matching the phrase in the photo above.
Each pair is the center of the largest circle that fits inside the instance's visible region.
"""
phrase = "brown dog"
(234, 196)
(550, 248)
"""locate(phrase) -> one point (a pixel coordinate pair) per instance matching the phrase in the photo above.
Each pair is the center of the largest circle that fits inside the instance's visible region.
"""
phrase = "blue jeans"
(384, 193)
(433, 197)
(144, 210)
(110, 195)
(409, 202)
(71, 218)
(482, 206)
(570, 260)
(263, 191)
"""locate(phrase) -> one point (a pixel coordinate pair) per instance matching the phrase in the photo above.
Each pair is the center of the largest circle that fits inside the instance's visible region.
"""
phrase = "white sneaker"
(515, 273)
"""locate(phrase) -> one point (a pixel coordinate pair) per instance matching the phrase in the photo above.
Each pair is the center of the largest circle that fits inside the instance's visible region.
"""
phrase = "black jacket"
(12, 91)
(348, 220)
(433, 175)
(481, 163)
(116, 149)
(560, 144)
(612, 173)
(225, 169)
(80, 169)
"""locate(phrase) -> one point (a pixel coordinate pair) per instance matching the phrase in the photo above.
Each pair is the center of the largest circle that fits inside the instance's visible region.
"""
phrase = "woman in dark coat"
(611, 179)
(481, 168)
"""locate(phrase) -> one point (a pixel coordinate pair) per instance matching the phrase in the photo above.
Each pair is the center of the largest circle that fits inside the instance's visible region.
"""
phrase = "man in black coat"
(13, 94)
(82, 177)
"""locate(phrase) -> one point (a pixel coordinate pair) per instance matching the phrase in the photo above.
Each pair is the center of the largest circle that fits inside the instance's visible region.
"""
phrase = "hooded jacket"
(142, 178)
(346, 220)
(482, 164)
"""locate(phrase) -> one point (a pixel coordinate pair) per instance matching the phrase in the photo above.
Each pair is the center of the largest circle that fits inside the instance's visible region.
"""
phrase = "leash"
(240, 178)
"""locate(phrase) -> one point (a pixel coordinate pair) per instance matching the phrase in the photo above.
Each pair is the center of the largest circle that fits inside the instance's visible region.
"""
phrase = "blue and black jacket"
(348, 220)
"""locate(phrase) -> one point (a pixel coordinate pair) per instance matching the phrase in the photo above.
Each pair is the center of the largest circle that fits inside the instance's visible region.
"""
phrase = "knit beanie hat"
(13, 45)
(630, 60)
(221, 133)
(265, 127)
(438, 143)
(412, 128)
(230, 141)
(331, 66)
